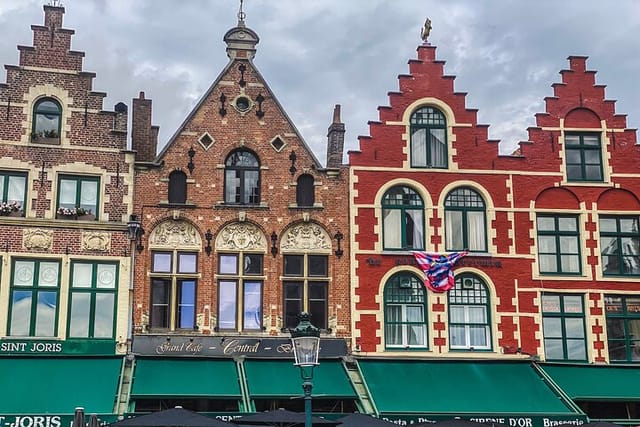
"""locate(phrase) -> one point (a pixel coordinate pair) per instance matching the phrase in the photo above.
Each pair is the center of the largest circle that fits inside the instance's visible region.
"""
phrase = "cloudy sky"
(317, 53)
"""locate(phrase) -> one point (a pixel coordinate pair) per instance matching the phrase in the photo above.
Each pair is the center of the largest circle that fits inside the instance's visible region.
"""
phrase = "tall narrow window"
(620, 245)
(78, 196)
(240, 278)
(242, 178)
(305, 192)
(403, 219)
(583, 157)
(92, 304)
(469, 325)
(428, 139)
(405, 312)
(35, 287)
(563, 327)
(306, 288)
(623, 327)
(465, 221)
(47, 115)
(177, 187)
(558, 244)
(13, 187)
(173, 290)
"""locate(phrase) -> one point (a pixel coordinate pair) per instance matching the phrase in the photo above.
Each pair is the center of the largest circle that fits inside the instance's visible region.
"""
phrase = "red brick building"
(244, 229)
(552, 236)
(66, 191)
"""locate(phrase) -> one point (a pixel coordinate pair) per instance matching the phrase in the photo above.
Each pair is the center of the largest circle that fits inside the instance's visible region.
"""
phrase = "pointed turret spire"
(241, 41)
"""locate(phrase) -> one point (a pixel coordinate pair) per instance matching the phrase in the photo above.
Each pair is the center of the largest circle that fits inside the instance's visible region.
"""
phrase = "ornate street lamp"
(305, 339)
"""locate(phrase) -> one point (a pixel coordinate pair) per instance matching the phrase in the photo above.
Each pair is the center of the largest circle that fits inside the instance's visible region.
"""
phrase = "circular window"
(243, 103)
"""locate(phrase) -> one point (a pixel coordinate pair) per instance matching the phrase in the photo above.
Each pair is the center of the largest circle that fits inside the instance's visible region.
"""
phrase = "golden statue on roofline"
(426, 29)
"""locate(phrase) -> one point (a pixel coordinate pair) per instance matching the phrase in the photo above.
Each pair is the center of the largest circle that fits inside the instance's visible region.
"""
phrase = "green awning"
(185, 378)
(461, 388)
(57, 385)
(280, 378)
(589, 382)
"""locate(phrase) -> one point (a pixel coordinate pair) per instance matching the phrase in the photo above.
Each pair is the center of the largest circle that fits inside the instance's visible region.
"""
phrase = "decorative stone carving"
(37, 239)
(241, 236)
(94, 241)
(175, 234)
(306, 237)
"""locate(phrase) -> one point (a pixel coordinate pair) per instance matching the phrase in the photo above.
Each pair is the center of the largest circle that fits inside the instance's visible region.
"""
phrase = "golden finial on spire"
(426, 30)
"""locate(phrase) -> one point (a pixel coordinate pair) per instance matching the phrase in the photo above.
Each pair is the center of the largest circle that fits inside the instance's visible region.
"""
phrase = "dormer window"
(47, 118)
(428, 139)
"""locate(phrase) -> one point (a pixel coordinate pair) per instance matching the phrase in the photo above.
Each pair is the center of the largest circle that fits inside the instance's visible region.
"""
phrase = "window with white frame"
(428, 138)
(405, 312)
(35, 292)
(402, 219)
(93, 297)
(558, 244)
(469, 320)
(465, 221)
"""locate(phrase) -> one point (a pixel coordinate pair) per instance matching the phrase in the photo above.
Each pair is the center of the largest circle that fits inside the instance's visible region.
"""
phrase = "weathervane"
(426, 29)
(241, 14)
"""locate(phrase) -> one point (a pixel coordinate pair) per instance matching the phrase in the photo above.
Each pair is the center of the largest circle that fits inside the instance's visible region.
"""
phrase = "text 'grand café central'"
(134, 280)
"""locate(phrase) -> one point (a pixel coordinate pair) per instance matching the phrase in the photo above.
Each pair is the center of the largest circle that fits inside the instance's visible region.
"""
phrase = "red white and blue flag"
(438, 269)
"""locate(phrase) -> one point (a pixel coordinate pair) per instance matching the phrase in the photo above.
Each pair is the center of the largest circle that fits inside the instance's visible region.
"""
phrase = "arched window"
(405, 312)
(242, 178)
(46, 119)
(177, 187)
(469, 314)
(305, 194)
(403, 219)
(428, 138)
(465, 221)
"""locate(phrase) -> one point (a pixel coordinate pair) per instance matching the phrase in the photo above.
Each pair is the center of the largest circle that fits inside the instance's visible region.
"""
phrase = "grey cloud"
(316, 53)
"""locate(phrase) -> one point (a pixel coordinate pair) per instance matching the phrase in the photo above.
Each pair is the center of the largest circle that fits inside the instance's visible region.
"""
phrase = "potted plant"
(11, 208)
(75, 213)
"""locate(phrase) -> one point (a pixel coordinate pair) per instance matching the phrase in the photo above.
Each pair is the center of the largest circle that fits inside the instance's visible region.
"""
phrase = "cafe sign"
(48, 420)
(34, 347)
(496, 420)
(228, 346)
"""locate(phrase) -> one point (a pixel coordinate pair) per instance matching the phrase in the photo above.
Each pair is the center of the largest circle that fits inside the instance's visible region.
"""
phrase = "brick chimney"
(144, 136)
(335, 140)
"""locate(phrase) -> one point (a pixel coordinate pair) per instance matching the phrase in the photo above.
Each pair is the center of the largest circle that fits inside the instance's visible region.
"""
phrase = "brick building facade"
(66, 182)
(551, 233)
(244, 228)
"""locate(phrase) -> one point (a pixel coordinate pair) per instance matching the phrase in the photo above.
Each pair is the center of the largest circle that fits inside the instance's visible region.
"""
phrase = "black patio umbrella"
(93, 421)
(362, 420)
(281, 418)
(78, 418)
(175, 417)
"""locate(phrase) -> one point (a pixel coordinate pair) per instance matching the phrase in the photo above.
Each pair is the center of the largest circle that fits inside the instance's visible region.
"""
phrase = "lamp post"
(305, 339)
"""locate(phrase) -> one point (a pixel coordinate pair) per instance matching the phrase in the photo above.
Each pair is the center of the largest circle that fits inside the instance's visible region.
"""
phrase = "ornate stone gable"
(175, 234)
(241, 236)
(306, 237)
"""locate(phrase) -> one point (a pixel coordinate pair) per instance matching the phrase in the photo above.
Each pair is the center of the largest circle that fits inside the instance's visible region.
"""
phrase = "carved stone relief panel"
(306, 237)
(95, 241)
(241, 236)
(33, 238)
(175, 234)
